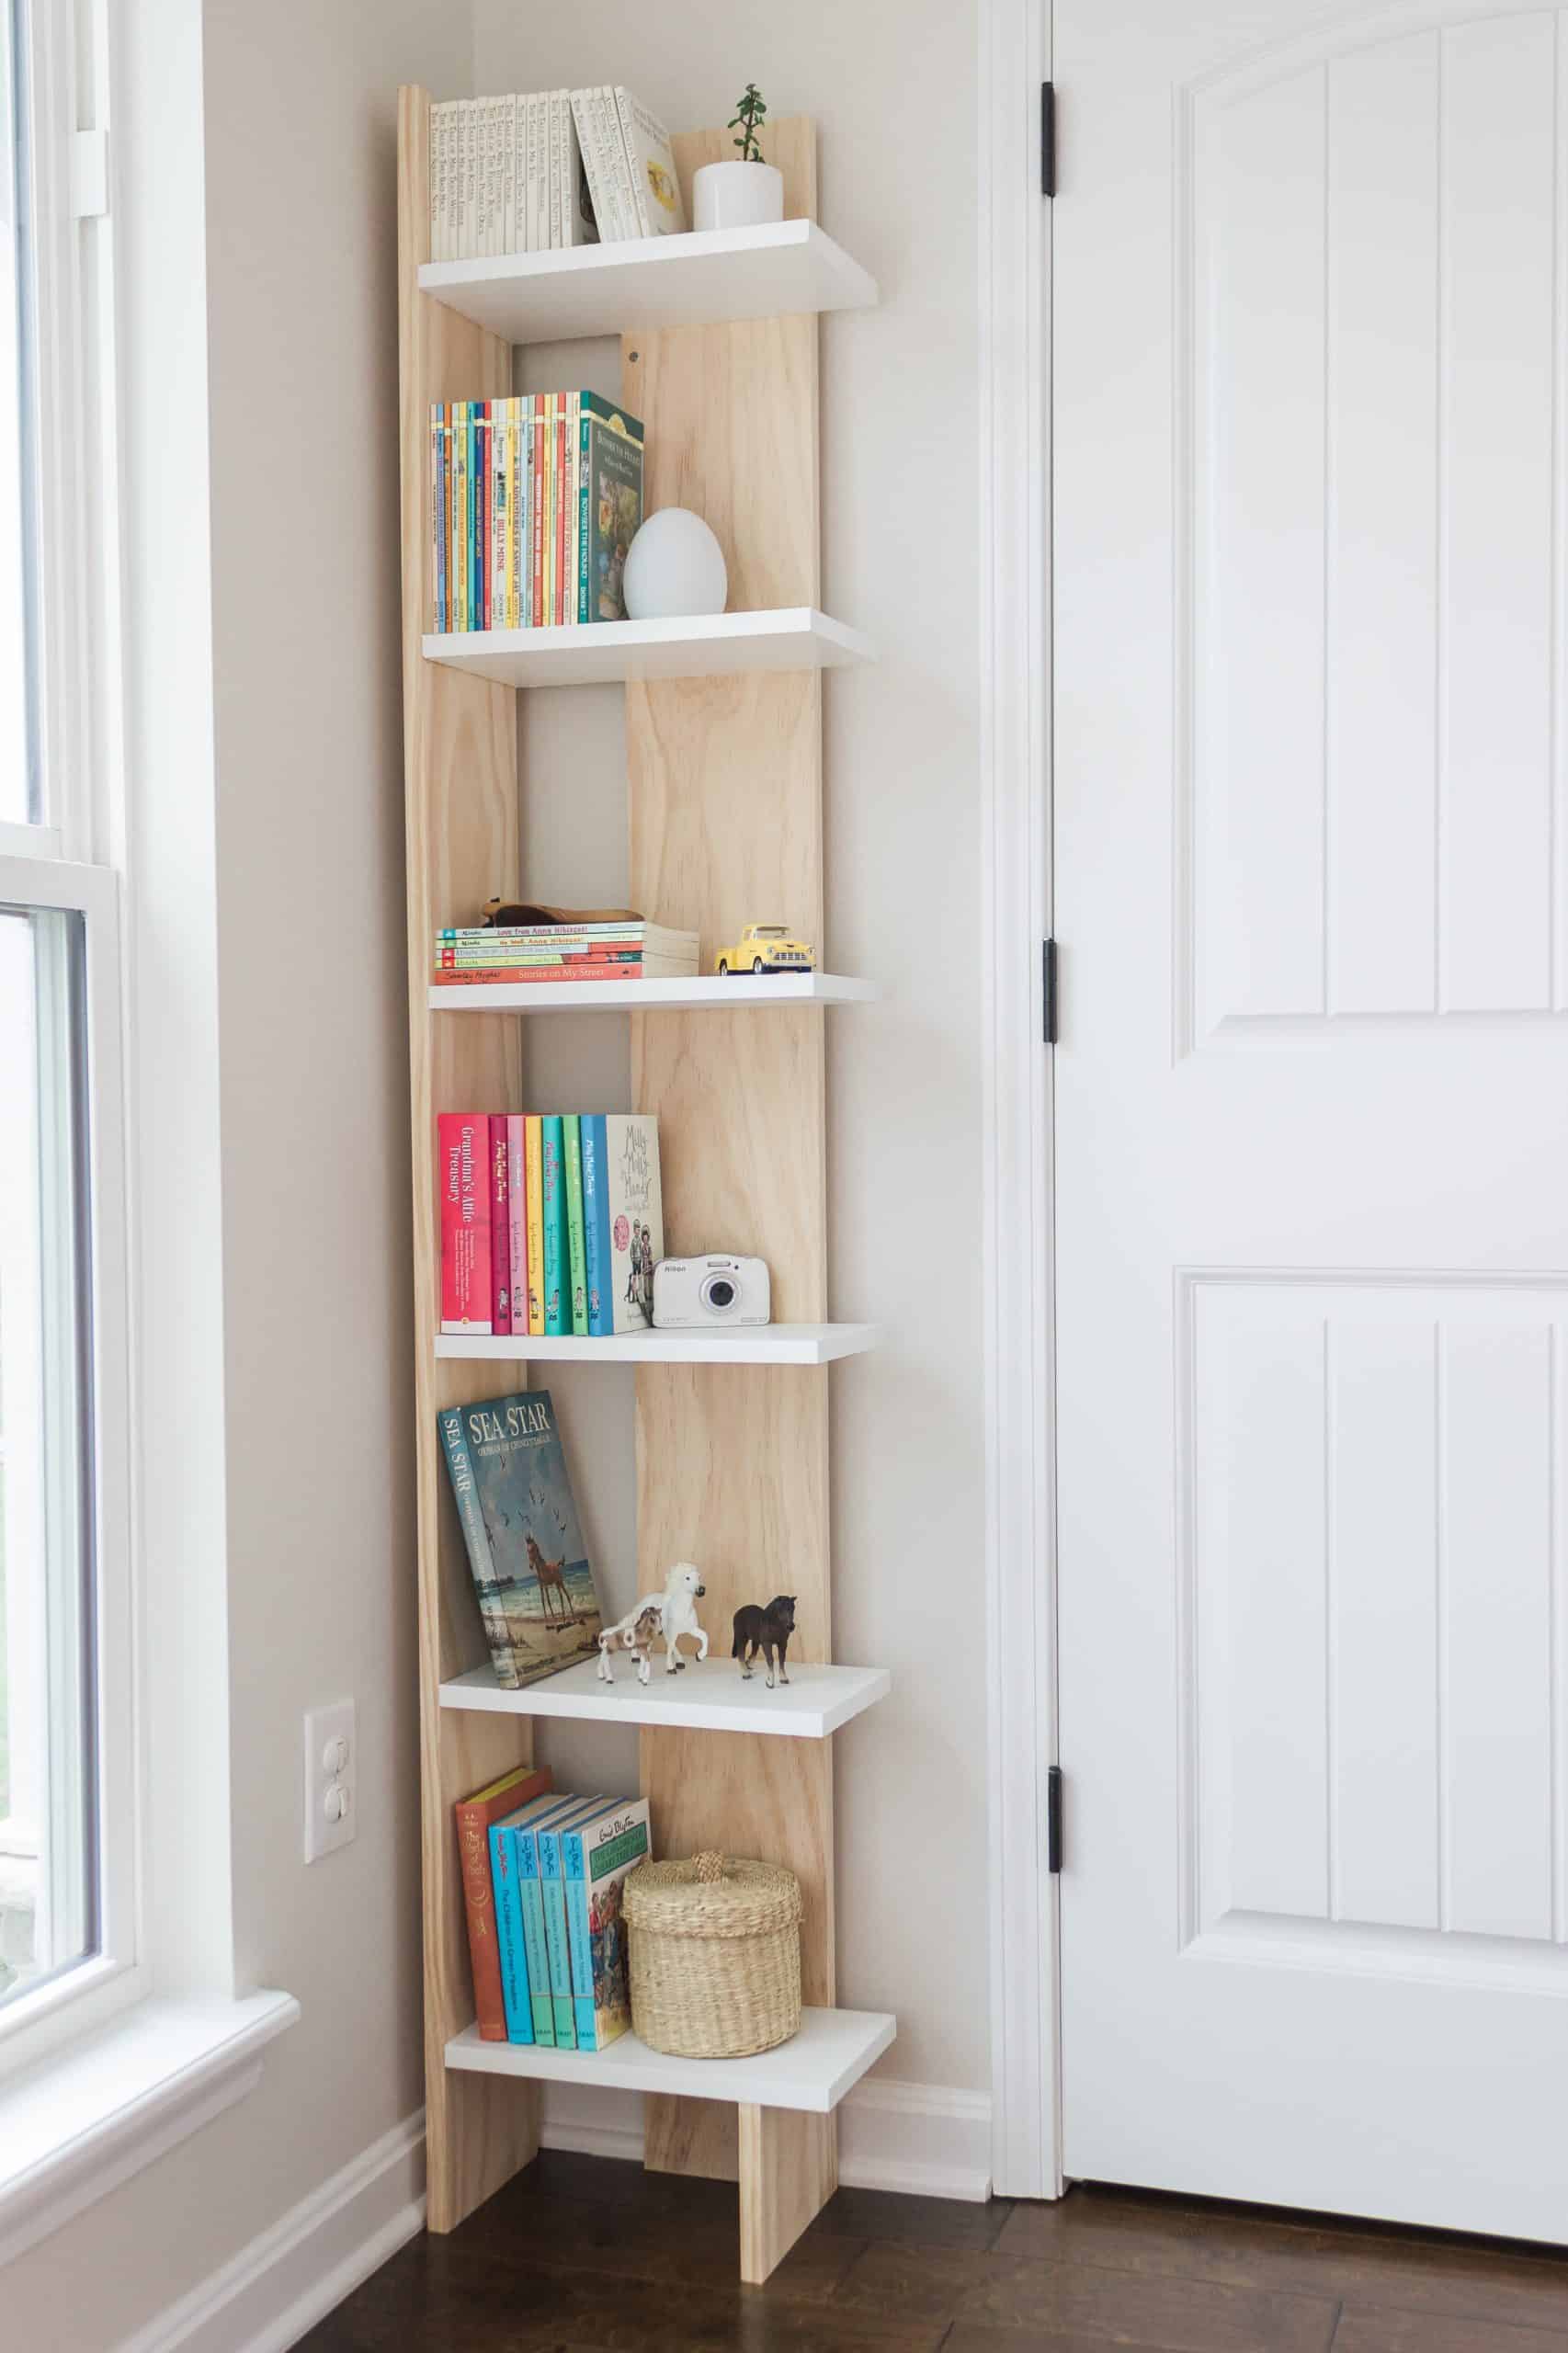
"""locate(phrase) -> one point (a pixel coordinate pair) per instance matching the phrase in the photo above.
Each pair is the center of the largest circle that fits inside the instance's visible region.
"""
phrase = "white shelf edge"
(768, 1344)
(703, 992)
(811, 2072)
(702, 646)
(709, 1696)
(702, 276)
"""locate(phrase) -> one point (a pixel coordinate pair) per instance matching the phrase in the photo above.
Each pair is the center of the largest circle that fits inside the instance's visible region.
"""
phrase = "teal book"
(609, 469)
(557, 1249)
(510, 1934)
(535, 1945)
(596, 1223)
(532, 1573)
(571, 1144)
(597, 1854)
(553, 1888)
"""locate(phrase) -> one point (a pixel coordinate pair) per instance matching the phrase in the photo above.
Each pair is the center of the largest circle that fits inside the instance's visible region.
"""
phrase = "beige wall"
(300, 162)
(899, 417)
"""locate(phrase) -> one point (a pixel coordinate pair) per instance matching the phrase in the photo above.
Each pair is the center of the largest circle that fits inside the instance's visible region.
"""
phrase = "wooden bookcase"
(724, 810)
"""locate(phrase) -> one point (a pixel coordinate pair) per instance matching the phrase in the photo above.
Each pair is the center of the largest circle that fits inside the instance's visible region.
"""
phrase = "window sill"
(83, 2121)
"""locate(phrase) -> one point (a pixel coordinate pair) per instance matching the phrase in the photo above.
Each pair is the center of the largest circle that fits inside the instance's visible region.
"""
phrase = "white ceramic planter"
(736, 195)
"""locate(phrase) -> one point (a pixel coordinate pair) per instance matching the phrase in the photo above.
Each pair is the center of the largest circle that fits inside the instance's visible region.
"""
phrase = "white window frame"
(66, 861)
(133, 2055)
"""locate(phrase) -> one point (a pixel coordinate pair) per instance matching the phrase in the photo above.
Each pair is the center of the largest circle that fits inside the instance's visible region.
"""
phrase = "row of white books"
(553, 168)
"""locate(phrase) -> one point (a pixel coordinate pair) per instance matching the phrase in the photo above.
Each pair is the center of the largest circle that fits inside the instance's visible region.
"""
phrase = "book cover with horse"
(525, 1545)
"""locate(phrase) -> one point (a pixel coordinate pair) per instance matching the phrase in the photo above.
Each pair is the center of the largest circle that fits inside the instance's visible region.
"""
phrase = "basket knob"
(708, 1867)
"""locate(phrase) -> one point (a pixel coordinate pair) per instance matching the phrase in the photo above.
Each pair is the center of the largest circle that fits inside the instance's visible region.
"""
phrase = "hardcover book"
(611, 506)
(518, 1972)
(525, 1545)
(624, 1235)
(535, 1948)
(500, 1228)
(553, 1887)
(656, 190)
(570, 1135)
(557, 1253)
(462, 1140)
(597, 1854)
(475, 1817)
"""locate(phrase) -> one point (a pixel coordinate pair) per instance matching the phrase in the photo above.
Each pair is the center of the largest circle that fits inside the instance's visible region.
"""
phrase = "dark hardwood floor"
(588, 2256)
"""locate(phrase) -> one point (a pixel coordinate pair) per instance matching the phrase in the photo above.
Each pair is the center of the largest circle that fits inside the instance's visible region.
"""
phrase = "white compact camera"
(690, 1292)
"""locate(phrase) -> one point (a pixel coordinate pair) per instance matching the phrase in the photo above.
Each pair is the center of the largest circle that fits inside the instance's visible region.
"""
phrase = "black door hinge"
(1048, 976)
(1053, 1820)
(1048, 139)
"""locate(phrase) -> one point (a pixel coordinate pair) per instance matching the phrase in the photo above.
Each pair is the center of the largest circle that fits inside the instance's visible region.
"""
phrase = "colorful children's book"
(525, 1546)
(462, 1145)
(517, 1221)
(624, 1235)
(609, 494)
(534, 1152)
(571, 1141)
(475, 1817)
(557, 1255)
(517, 1971)
(500, 1228)
(597, 1854)
(553, 1888)
(526, 1837)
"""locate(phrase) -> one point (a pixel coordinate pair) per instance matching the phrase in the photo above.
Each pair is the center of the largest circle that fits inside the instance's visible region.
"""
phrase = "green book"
(572, 1139)
(557, 1255)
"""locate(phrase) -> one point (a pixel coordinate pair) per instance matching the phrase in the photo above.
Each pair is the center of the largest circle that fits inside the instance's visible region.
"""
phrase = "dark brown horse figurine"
(551, 1579)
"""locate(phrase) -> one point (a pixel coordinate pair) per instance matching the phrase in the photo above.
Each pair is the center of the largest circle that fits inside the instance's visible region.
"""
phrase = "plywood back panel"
(462, 790)
(725, 810)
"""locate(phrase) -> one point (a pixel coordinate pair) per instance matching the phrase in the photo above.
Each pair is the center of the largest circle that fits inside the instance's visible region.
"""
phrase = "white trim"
(1019, 1503)
(921, 2139)
(268, 2295)
(75, 2128)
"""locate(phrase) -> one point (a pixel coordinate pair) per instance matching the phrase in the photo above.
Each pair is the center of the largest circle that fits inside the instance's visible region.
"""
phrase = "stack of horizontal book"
(542, 1877)
(624, 948)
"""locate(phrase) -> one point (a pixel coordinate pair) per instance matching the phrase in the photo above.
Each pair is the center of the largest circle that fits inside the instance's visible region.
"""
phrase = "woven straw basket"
(715, 1956)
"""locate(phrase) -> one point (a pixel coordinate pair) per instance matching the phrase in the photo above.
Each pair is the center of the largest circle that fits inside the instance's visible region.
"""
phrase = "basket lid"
(711, 1895)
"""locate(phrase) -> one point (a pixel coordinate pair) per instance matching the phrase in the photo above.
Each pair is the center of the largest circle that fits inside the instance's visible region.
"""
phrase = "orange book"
(474, 1816)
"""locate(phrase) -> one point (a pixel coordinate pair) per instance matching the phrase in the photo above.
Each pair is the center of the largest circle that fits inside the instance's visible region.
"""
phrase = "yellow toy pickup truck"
(766, 948)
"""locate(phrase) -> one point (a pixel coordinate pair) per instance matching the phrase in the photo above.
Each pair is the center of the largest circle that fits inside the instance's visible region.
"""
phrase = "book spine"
(484, 1931)
(497, 514)
(476, 1540)
(436, 576)
(517, 1221)
(462, 1164)
(557, 1315)
(462, 959)
(596, 969)
(471, 522)
(554, 1891)
(560, 227)
(537, 437)
(572, 1143)
(631, 1158)
(534, 1149)
(584, 518)
(500, 1229)
(610, 160)
(538, 175)
(535, 1949)
(562, 502)
(626, 928)
(521, 459)
(578, 476)
(470, 248)
(509, 174)
(595, 1223)
(631, 192)
(509, 1933)
(579, 1938)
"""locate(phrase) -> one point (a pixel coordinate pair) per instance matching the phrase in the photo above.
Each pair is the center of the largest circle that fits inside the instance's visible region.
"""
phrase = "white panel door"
(1311, 542)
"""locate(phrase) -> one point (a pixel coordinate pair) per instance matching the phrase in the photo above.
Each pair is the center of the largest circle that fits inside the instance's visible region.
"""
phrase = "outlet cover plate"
(332, 1798)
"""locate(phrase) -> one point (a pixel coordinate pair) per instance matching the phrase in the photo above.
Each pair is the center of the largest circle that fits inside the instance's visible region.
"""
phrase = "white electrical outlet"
(332, 1774)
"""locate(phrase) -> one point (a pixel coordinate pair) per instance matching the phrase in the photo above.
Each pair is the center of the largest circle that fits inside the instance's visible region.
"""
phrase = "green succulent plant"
(748, 116)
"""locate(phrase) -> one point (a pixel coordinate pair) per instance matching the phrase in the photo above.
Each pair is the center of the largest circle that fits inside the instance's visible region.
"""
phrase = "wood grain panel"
(725, 818)
(462, 790)
(789, 2170)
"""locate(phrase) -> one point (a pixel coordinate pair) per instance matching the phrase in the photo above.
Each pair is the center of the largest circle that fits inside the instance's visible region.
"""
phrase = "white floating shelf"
(703, 278)
(702, 991)
(812, 2072)
(705, 1696)
(704, 645)
(765, 1344)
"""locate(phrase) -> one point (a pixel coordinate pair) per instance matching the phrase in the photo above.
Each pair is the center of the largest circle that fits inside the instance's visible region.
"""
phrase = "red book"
(462, 1140)
(474, 1816)
(500, 1228)
(538, 974)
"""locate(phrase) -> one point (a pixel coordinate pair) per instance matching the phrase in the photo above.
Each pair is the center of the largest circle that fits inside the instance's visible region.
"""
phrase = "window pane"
(18, 765)
(47, 1867)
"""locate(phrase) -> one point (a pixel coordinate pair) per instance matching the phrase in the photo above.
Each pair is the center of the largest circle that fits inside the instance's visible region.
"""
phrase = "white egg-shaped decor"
(674, 565)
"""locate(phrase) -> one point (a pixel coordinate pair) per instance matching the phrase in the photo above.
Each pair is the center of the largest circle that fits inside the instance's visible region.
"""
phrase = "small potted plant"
(743, 195)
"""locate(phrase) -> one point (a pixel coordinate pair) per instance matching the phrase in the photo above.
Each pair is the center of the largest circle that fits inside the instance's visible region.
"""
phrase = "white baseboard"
(922, 2139)
(265, 2298)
